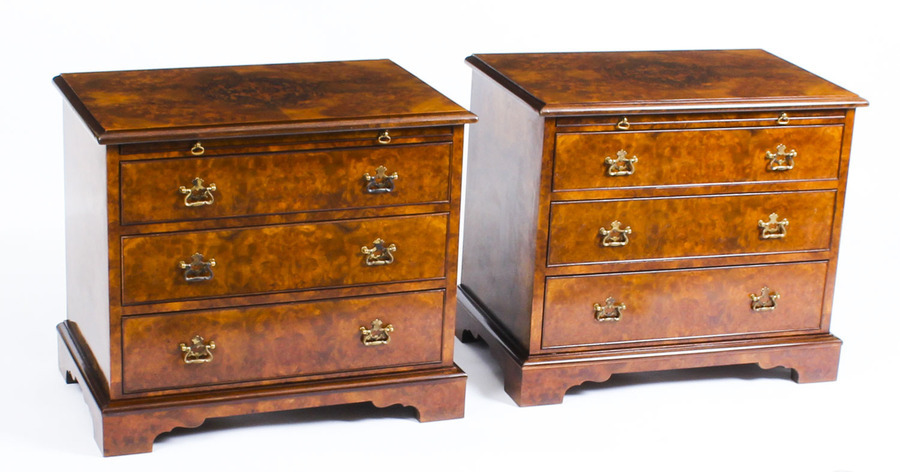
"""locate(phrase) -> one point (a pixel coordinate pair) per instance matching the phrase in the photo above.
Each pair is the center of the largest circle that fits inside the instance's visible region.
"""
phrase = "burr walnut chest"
(259, 238)
(646, 211)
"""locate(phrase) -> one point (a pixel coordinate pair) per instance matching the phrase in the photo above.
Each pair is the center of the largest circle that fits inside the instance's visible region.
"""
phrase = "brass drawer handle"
(781, 160)
(380, 254)
(197, 270)
(623, 124)
(773, 229)
(767, 300)
(615, 236)
(378, 335)
(382, 182)
(198, 352)
(611, 311)
(198, 195)
(783, 119)
(622, 165)
(384, 138)
(198, 149)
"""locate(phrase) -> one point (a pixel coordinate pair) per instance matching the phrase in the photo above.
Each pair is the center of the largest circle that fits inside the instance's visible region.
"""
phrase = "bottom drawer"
(679, 304)
(280, 341)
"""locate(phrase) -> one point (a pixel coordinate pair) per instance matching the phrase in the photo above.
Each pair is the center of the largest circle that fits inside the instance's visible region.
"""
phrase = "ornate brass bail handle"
(380, 254)
(198, 149)
(623, 124)
(609, 311)
(767, 300)
(783, 119)
(198, 195)
(379, 333)
(621, 165)
(381, 182)
(773, 229)
(197, 270)
(615, 236)
(384, 137)
(198, 352)
(781, 160)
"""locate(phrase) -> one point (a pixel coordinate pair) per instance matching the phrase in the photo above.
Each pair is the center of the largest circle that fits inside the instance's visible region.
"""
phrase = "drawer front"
(280, 341)
(282, 258)
(682, 304)
(718, 225)
(242, 185)
(585, 160)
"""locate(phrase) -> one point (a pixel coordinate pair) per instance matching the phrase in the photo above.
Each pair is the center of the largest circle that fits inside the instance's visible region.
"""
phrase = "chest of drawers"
(259, 238)
(647, 211)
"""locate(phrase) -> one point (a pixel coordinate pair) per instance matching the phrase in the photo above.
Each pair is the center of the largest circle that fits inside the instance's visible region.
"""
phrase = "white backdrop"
(738, 418)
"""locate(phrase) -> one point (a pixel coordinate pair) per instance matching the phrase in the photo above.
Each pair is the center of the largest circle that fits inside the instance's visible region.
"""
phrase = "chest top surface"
(558, 84)
(150, 105)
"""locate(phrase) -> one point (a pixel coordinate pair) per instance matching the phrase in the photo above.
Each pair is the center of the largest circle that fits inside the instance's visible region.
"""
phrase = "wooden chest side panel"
(501, 204)
(282, 258)
(281, 341)
(683, 304)
(87, 268)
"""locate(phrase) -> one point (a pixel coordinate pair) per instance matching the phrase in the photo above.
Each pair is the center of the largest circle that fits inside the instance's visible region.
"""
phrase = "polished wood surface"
(559, 84)
(702, 226)
(280, 258)
(286, 226)
(282, 341)
(678, 304)
(695, 157)
(265, 184)
(146, 105)
(700, 124)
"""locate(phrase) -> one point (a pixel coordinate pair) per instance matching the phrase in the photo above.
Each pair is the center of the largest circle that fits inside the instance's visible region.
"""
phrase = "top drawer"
(661, 157)
(178, 189)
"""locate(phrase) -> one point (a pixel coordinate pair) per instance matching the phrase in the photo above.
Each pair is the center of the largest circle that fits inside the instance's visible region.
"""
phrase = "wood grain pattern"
(695, 157)
(281, 341)
(165, 104)
(670, 305)
(280, 258)
(261, 184)
(715, 225)
(560, 84)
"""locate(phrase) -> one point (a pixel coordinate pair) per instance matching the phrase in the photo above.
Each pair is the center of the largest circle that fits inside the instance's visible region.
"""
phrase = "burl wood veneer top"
(150, 105)
(596, 82)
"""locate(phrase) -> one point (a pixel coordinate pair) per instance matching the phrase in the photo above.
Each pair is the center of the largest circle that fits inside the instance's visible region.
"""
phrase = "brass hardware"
(376, 336)
(380, 254)
(384, 137)
(198, 149)
(773, 229)
(197, 270)
(767, 300)
(381, 183)
(198, 352)
(623, 124)
(616, 236)
(783, 119)
(781, 160)
(622, 165)
(611, 311)
(198, 195)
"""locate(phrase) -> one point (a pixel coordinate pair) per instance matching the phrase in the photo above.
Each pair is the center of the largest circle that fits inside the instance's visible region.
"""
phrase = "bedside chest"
(644, 211)
(259, 238)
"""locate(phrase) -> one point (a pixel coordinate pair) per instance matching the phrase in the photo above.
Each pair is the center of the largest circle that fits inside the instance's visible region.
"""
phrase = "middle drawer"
(696, 226)
(179, 266)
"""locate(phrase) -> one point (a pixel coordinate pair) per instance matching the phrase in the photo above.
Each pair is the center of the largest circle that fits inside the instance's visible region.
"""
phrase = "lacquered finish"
(282, 341)
(282, 183)
(671, 305)
(630, 216)
(215, 254)
(699, 226)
